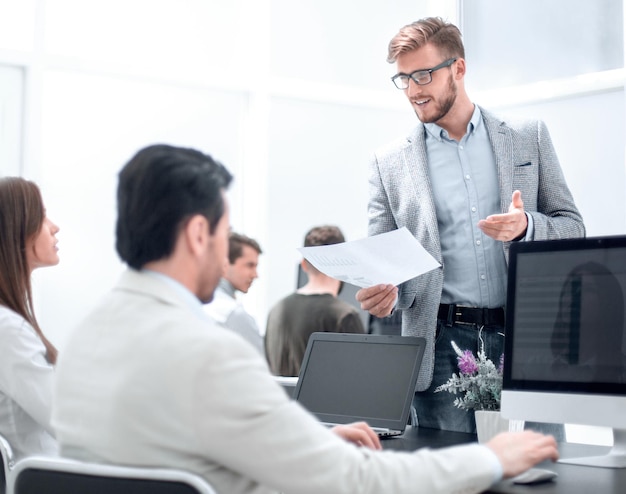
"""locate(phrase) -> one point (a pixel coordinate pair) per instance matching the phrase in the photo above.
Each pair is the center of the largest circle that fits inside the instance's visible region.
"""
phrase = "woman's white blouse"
(26, 381)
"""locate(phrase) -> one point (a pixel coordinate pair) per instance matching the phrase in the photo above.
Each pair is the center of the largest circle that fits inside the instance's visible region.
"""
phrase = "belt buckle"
(459, 314)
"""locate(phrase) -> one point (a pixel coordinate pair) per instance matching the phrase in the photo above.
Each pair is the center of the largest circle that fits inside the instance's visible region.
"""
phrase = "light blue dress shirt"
(464, 180)
(191, 300)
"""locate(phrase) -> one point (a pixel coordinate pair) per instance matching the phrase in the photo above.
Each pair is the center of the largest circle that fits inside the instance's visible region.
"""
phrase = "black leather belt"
(451, 314)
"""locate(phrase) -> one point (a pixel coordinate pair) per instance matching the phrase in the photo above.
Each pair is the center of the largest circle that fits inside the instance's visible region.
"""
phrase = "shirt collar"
(227, 287)
(186, 295)
(440, 133)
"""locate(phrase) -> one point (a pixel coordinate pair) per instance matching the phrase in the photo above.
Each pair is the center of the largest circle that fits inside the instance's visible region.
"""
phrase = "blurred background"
(293, 97)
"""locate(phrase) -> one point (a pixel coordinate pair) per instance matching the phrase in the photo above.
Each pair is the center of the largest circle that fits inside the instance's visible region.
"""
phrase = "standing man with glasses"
(466, 184)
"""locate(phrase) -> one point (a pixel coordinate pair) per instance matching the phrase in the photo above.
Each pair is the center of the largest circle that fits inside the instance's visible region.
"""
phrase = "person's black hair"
(159, 189)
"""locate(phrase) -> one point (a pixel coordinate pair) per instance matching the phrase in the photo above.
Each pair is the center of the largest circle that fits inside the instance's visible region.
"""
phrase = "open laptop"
(348, 377)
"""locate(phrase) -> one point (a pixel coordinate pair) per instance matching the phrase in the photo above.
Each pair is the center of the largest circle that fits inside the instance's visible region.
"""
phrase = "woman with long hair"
(27, 358)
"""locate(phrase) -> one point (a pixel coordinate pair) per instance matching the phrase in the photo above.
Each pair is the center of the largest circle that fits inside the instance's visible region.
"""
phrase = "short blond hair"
(434, 30)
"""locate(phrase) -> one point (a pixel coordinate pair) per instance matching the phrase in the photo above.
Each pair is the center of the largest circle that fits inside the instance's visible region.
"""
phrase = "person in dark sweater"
(313, 308)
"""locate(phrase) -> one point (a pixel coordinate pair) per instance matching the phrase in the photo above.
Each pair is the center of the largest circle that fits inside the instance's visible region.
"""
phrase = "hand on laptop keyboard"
(358, 433)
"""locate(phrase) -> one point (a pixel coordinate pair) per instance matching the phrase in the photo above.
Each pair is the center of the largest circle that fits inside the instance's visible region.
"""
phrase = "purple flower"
(467, 363)
(479, 381)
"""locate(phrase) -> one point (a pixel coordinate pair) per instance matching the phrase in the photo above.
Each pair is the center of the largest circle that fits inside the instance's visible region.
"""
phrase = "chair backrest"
(46, 475)
(288, 383)
(7, 463)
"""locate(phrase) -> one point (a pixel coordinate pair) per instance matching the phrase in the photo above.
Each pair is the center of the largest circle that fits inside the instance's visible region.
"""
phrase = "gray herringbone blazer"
(401, 195)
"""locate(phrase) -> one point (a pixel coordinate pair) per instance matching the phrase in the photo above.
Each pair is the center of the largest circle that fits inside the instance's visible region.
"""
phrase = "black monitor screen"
(565, 327)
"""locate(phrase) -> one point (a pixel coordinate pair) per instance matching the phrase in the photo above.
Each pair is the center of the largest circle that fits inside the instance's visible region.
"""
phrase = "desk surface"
(572, 478)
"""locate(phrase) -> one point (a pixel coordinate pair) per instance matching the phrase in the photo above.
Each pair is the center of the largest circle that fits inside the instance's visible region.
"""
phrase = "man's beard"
(445, 105)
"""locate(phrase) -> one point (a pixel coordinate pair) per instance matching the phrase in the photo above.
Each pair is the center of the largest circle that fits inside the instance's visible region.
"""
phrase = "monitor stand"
(615, 458)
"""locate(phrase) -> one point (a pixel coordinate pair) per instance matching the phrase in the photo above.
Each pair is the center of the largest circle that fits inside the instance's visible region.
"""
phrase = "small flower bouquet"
(479, 381)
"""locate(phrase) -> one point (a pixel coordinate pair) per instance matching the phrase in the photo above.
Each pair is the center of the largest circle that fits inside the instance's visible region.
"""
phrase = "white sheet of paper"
(389, 258)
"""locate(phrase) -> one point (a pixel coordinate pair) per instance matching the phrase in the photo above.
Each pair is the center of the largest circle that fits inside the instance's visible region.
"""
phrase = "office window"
(519, 42)
(11, 104)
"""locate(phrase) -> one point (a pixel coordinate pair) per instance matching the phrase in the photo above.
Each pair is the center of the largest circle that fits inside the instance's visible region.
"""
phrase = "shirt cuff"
(530, 228)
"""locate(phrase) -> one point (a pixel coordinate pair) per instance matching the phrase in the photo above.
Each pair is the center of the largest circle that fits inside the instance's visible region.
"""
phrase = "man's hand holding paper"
(377, 264)
(378, 300)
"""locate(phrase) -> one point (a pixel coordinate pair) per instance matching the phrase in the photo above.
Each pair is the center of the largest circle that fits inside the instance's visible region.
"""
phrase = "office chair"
(7, 463)
(46, 475)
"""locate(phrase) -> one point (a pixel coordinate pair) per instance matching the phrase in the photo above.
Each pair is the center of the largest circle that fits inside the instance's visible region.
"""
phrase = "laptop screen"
(350, 377)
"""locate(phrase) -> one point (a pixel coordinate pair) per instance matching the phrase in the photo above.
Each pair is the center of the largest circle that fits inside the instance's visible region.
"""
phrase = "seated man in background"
(147, 379)
(239, 274)
(314, 307)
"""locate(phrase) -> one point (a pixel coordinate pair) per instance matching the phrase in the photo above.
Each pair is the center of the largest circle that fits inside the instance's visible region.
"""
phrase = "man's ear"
(459, 68)
(304, 265)
(196, 234)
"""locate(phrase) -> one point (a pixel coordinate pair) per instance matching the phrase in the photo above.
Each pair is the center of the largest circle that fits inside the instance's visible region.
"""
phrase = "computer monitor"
(565, 349)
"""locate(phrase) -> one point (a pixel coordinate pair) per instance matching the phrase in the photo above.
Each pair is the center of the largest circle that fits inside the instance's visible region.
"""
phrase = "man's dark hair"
(236, 241)
(159, 189)
(323, 235)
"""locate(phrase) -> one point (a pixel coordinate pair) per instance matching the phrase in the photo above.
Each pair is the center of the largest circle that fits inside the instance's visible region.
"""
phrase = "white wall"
(588, 133)
(292, 96)
(11, 105)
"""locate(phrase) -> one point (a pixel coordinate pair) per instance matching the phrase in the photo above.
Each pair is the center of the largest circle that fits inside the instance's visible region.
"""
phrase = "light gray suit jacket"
(401, 195)
(146, 380)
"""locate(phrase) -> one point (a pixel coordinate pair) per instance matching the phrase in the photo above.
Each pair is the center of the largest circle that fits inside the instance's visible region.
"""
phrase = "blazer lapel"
(415, 166)
(502, 143)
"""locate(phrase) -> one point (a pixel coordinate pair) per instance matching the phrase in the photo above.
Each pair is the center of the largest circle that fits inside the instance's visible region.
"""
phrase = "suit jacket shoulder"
(522, 127)
(391, 149)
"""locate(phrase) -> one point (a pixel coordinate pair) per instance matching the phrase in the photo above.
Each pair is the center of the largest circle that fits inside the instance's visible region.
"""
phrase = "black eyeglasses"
(420, 77)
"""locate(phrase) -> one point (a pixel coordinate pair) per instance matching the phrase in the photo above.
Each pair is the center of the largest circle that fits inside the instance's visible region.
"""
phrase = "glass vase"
(490, 423)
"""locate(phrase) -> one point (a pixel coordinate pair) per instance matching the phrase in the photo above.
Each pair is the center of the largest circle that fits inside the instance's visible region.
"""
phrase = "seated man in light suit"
(147, 379)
